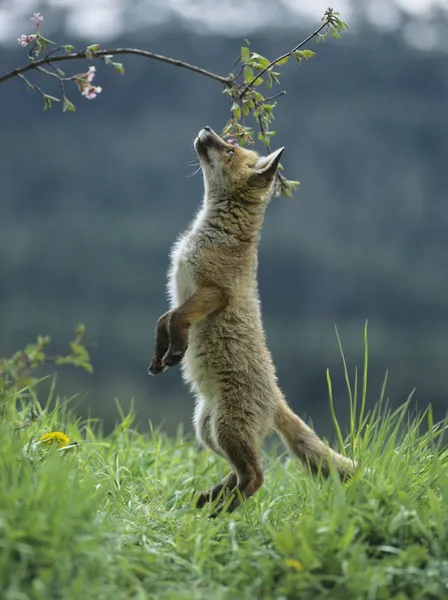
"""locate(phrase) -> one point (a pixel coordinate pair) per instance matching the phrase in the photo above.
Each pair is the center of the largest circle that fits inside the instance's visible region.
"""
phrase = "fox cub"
(215, 328)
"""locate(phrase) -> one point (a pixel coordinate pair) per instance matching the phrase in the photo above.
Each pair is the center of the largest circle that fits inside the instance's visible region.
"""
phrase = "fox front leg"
(162, 344)
(172, 327)
(205, 301)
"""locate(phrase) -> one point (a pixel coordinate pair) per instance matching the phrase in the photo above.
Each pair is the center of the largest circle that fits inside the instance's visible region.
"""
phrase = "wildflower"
(90, 91)
(231, 139)
(37, 19)
(294, 564)
(84, 81)
(55, 436)
(24, 40)
(91, 74)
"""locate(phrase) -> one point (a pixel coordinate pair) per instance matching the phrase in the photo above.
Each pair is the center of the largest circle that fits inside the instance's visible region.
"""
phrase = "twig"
(283, 56)
(31, 85)
(282, 93)
(58, 77)
(117, 51)
(235, 77)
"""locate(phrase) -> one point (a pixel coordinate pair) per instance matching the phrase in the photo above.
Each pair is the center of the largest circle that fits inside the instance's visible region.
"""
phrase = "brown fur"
(215, 328)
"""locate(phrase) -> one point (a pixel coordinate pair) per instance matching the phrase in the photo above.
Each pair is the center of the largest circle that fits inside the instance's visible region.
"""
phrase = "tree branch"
(227, 81)
(245, 100)
(326, 23)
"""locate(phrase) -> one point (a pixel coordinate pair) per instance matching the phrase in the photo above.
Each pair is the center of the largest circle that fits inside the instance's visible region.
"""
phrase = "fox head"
(234, 172)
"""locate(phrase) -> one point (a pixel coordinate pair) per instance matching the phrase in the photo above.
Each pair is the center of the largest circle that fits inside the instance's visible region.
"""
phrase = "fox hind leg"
(202, 421)
(222, 488)
(244, 456)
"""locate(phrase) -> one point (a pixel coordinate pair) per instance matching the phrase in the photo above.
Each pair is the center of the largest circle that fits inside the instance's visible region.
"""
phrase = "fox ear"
(267, 165)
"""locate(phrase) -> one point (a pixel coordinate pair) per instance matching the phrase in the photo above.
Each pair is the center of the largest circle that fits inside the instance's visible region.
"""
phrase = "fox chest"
(182, 278)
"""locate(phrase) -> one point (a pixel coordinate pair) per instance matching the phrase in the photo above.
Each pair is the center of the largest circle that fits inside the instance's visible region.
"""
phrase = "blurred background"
(91, 201)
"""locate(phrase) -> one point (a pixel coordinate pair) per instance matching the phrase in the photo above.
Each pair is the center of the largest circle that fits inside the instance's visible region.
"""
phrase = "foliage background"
(91, 203)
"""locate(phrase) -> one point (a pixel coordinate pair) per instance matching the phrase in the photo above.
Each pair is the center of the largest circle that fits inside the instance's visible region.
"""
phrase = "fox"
(214, 327)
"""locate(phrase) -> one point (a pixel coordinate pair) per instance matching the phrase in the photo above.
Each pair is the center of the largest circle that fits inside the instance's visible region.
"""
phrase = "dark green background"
(91, 203)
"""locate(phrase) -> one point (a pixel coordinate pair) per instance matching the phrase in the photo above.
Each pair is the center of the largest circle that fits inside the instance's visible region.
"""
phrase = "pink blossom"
(37, 19)
(231, 139)
(24, 40)
(91, 74)
(90, 91)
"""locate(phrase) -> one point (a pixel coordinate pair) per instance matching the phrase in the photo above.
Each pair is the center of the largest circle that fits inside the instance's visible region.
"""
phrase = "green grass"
(113, 518)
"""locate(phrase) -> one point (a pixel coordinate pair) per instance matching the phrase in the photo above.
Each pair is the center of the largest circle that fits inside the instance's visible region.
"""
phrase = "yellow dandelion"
(294, 564)
(60, 438)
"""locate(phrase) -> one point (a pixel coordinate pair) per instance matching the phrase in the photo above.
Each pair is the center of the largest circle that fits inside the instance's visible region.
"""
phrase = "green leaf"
(248, 74)
(43, 341)
(118, 67)
(94, 47)
(67, 105)
(236, 110)
(68, 49)
(227, 128)
(308, 53)
(40, 36)
(80, 330)
(79, 350)
(258, 81)
(245, 110)
(259, 60)
(48, 100)
(245, 54)
(87, 53)
(283, 61)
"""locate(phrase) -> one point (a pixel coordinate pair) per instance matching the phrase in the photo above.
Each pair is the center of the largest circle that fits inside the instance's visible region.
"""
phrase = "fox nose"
(207, 128)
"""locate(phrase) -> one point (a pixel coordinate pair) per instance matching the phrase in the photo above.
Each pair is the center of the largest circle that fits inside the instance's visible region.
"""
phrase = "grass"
(113, 518)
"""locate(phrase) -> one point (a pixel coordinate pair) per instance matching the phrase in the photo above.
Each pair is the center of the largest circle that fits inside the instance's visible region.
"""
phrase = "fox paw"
(173, 356)
(203, 499)
(156, 366)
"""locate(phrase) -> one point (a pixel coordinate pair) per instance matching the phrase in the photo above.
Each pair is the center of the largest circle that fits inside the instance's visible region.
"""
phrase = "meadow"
(84, 515)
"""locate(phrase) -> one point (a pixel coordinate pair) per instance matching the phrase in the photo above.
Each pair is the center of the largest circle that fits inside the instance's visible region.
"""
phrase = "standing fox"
(215, 328)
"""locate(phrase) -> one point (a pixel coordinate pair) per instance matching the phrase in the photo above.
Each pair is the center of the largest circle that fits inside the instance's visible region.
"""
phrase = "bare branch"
(117, 51)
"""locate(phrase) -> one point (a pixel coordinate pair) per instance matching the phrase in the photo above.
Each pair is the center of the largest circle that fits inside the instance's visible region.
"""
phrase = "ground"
(114, 517)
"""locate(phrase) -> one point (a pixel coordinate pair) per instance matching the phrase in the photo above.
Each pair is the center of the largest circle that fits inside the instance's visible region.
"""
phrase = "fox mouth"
(206, 139)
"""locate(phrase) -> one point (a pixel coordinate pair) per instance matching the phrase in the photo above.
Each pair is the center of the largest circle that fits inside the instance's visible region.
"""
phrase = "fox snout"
(208, 138)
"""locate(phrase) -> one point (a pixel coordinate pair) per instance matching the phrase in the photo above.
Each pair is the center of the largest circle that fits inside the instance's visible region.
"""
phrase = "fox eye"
(230, 152)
